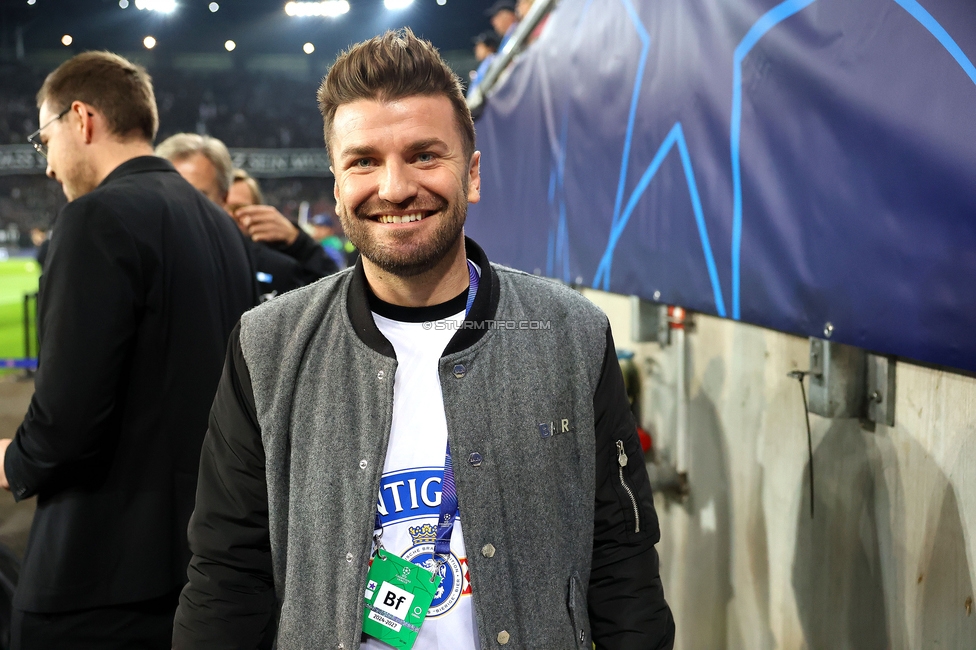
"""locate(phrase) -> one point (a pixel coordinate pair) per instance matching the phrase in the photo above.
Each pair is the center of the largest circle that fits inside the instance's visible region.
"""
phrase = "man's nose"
(397, 183)
(50, 172)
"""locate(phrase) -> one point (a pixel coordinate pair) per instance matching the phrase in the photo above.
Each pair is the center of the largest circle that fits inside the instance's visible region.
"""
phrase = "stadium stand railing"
(516, 44)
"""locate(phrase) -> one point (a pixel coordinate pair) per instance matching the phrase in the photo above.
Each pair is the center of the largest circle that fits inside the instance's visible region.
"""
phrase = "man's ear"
(86, 120)
(474, 178)
(335, 194)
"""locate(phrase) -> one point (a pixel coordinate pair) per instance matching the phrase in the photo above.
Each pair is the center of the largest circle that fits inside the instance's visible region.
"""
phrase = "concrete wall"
(888, 560)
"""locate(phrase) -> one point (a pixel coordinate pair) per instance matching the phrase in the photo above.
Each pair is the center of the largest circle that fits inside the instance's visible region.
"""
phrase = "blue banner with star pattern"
(791, 164)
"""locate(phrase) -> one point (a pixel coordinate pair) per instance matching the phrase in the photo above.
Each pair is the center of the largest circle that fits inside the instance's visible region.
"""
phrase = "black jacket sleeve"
(88, 309)
(229, 601)
(310, 255)
(626, 599)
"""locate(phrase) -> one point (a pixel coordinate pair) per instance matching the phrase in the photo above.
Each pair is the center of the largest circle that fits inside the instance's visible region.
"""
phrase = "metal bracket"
(837, 373)
(847, 382)
(649, 321)
(881, 389)
(816, 357)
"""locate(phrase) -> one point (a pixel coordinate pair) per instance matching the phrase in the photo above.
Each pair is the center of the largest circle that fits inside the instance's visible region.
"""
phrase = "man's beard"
(422, 255)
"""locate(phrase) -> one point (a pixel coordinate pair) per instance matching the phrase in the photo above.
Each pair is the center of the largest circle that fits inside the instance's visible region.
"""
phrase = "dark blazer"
(309, 254)
(280, 268)
(144, 281)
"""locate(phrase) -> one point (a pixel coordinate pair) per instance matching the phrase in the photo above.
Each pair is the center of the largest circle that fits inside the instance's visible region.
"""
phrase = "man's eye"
(363, 162)
(425, 157)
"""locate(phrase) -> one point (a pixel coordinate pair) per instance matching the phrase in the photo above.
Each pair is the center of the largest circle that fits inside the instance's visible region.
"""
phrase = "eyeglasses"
(33, 138)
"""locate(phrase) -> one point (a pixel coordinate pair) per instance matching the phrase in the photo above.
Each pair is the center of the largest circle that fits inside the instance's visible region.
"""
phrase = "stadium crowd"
(241, 108)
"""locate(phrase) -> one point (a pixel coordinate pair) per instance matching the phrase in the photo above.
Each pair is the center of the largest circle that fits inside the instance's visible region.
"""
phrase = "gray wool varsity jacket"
(558, 515)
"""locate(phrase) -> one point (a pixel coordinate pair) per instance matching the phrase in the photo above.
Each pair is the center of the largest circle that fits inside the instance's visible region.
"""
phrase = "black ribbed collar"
(417, 314)
(139, 165)
(484, 307)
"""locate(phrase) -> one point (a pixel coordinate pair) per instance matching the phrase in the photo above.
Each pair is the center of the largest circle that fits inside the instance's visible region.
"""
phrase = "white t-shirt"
(410, 490)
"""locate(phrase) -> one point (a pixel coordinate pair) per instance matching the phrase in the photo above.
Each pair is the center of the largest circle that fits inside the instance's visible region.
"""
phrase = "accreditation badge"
(398, 595)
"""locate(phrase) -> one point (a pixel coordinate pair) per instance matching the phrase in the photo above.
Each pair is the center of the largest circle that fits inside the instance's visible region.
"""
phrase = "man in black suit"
(144, 281)
(289, 258)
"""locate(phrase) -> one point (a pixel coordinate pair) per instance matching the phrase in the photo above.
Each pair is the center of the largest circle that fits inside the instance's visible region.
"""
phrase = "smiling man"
(144, 280)
(427, 450)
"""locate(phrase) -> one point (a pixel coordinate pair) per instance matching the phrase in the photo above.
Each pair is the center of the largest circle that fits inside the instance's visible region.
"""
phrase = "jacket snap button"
(503, 637)
(475, 459)
(380, 374)
(363, 464)
(349, 558)
(459, 371)
(488, 550)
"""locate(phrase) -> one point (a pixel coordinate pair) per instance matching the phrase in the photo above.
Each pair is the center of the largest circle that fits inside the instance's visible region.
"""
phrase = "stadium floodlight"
(230, 45)
(66, 40)
(393, 5)
(308, 48)
(162, 6)
(124, 4)
(326, 8)
(442, 2)
(149, 42)
(213, 7)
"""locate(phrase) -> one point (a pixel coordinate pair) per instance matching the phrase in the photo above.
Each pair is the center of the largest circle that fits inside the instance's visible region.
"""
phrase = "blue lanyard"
(473, 281)
(449, 501)
(449, 511)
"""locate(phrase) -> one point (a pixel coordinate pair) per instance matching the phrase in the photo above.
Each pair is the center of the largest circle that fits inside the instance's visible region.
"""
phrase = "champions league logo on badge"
(453, 574)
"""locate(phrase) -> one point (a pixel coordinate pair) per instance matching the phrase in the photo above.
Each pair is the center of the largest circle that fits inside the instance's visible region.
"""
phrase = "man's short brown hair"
(121, 91)
(390, 67)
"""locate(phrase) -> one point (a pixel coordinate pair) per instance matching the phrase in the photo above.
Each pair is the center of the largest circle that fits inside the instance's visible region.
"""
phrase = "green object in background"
(332, 242)
(18, 276)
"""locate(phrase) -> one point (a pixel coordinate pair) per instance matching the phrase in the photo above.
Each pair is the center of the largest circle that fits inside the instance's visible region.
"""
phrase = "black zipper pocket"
(578, 611)
(622, 463)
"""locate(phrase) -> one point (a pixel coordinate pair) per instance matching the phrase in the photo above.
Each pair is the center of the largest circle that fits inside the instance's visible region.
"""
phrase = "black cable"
(798, 375)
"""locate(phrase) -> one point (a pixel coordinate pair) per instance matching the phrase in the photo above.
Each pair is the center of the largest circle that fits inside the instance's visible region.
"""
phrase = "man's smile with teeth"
(406, 218)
